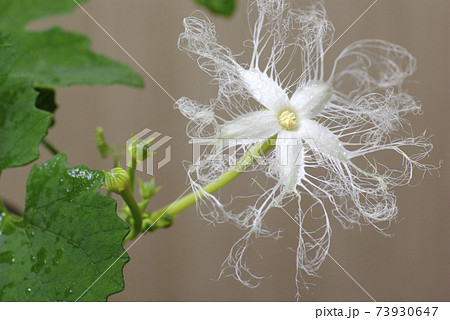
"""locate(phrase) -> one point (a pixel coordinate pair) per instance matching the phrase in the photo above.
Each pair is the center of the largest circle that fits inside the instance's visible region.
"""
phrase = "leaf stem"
(249, 158)
(50, 147)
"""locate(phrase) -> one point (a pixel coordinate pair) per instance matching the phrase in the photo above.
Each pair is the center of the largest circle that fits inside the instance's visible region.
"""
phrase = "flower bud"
(117, 180)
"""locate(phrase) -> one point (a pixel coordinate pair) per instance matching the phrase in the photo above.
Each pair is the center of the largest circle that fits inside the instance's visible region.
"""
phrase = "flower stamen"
(287, 119)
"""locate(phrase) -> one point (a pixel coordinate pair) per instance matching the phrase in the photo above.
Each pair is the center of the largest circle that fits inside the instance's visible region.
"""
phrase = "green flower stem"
(50, 147)
(128, 197)
(249, 158)
(132, 172)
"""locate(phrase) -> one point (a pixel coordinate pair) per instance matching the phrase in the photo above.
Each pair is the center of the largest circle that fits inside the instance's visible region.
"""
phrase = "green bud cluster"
(154, 221)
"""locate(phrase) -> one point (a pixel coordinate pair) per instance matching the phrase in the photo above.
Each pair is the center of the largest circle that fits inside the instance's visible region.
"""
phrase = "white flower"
(327, 128)
(289, 119)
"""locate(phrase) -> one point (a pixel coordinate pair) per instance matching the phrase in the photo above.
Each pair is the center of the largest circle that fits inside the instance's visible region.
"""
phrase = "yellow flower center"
(287, 119)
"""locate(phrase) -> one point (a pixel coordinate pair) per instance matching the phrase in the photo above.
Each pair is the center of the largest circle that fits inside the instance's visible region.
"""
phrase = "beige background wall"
(178, 264)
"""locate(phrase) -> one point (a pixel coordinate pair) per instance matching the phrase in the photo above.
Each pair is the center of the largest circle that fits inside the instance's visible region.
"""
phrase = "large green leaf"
(56, 57)
(22, 126)
(16, 14)
(69, 240)
(59, 58)
(224, 7)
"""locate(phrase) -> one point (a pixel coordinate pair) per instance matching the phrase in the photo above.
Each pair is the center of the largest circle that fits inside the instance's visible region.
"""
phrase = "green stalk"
(50, 147)
(249, 158)
(132, 172)
(128, 197)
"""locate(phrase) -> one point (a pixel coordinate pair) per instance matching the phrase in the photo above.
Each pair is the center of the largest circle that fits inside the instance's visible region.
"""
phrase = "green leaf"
(69, 239)
(55, 57)
(224, 7)
(59, 58)
(16, 14)
(22, 126)
(6, 53)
